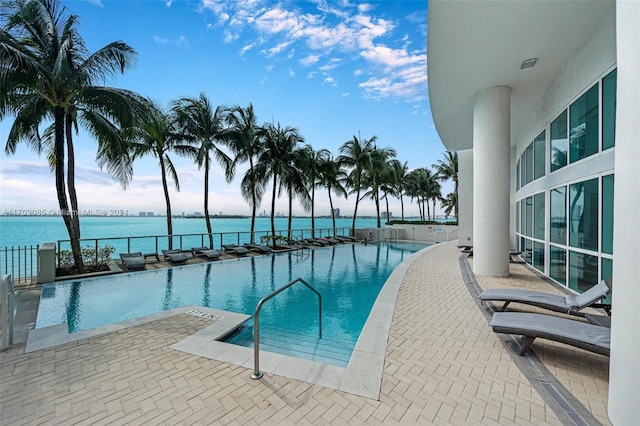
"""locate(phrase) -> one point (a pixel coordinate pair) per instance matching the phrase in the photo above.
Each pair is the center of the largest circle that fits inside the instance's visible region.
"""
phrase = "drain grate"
(563, 403)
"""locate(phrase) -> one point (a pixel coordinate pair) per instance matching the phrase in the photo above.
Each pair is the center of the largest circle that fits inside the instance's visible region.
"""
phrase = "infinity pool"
(348, 276)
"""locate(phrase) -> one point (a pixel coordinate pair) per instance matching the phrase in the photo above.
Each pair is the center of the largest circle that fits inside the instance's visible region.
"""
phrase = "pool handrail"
(257, 374)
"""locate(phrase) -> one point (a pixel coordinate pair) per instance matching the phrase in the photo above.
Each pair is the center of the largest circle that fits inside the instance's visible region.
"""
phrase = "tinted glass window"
(584, 125)
(558, 208)
(583, 201)
(559, 142)
(609, 110)
(539, 156)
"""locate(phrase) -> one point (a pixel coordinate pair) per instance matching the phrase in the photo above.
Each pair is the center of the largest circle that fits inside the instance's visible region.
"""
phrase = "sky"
(334, 69)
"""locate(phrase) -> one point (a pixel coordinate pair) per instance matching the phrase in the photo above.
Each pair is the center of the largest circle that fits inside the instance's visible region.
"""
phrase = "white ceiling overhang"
(474, 45)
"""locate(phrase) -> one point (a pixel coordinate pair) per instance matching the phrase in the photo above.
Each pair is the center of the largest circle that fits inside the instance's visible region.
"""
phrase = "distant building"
(142, 214)
(150, 214)
(383, 215)
(336, 212)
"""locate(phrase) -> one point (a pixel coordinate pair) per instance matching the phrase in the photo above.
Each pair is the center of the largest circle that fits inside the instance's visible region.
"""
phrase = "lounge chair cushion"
(590, 337)
(175, 256)
(571, 304)
(206, 251)
(133, 261)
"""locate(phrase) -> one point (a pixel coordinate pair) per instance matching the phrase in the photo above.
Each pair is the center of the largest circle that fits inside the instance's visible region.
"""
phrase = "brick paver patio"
(444, 365)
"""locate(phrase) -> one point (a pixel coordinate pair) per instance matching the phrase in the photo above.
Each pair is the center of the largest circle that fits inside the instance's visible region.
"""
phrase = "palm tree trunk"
(71, 180)
(333, 214)
(206, 201)
(386, 199)
(402, 206)
(455, 190)
(313, 221)
(290, 214)
(273, 212)
(377, 200)
(167, 201)
(254, 201)
(355, 212)
(61, 190)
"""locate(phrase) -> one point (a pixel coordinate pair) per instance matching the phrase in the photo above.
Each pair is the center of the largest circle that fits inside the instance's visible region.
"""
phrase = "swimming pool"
(348, 276)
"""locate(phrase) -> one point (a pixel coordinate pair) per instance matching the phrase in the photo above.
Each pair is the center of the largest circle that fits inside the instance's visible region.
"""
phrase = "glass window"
(518, 216)
(583, 271)
(558, 209)
(523, 209)
(529, 164)
(584, 125)
(518, 175)
(539, 156)
(609, 110)
(538, 216)
(528, 217)
(523, 162)
(538, 256)
(607, 272)
(607, 214)
(583, 199)
(559, 142)
(528, 251)
(558, 264)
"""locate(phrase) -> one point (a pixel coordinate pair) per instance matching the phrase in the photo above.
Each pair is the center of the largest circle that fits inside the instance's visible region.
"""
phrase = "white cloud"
(292, 73)
(97, 3)
(333, 33)
(181, 41)
(268, 68)
(309, 60)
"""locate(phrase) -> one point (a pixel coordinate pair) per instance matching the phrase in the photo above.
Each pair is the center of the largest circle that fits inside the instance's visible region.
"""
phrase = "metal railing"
(155, 243)
(22, 262)
(9, 308)
(257, 374)
(19, 262)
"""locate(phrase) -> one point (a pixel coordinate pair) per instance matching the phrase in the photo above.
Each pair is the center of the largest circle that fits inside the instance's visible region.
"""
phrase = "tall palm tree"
(376, 173)
(332, 177)
(275, 160)
(446, 169)
(244, 141)
(296, 183)
(157, 134)
(313, 160)
(200, 122)
(355, 154)
(48, 75)
(400, 171)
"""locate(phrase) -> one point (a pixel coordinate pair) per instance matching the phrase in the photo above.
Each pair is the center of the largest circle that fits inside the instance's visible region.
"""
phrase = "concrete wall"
(465, 197)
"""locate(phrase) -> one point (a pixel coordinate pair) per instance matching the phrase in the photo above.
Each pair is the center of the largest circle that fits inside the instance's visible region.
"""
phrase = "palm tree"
(332, 177)
(49, 74)
(313, 160)
(448, 169)
(157, 134)
(198, 121)
(275, 160)
(355, 154)
(242, 136)
(295, 182)
(376, 173)
(400, 171)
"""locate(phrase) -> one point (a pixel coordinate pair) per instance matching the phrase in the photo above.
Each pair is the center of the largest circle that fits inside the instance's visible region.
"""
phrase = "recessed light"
(528, 63)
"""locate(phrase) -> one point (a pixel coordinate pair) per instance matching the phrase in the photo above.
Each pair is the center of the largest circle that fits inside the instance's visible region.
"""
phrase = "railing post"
(6, 290)
(47, 263)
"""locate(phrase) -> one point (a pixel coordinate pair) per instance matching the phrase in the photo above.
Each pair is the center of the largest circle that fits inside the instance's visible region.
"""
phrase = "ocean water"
(35, 230)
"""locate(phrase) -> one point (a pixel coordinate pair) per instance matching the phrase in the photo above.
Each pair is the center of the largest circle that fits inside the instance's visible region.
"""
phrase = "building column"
(624, 368)
(465, 197)
(491, 177)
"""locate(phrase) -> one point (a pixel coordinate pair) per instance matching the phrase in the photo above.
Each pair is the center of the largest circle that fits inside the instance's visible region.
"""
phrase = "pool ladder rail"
(257, 374)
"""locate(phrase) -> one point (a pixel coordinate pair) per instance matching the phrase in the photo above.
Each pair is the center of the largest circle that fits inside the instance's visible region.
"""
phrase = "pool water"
(348, 276)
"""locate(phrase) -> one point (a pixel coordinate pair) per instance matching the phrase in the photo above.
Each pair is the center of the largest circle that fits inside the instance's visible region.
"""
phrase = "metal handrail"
(257, 374)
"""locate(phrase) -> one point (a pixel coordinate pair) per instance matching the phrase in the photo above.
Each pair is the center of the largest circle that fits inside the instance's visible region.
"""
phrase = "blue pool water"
(348, 276)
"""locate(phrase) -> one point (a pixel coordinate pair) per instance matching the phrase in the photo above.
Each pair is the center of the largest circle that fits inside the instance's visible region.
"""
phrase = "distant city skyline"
(332, 71)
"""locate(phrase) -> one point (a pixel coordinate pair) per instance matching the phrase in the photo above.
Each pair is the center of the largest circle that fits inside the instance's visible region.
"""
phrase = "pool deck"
(440, 364)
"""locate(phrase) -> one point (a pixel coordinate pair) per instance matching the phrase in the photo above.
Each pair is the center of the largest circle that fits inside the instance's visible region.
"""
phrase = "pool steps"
(287, 342)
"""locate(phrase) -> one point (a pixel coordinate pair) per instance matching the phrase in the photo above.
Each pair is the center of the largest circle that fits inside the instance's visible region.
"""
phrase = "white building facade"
(542, 101)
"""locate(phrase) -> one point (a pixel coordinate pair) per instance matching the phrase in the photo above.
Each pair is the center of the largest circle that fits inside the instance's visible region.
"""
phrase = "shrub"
(93, 261)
